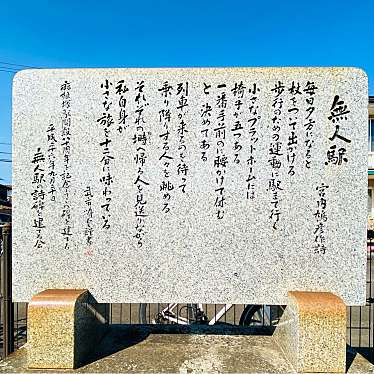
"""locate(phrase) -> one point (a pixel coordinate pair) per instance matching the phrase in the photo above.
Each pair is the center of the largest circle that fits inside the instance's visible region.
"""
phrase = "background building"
(5, 203)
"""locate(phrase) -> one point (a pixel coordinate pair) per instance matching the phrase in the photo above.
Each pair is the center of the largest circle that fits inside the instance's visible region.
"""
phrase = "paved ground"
(137, 350)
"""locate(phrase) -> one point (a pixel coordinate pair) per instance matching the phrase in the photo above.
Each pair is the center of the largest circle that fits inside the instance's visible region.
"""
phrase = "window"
(371, 135)
(370, 202)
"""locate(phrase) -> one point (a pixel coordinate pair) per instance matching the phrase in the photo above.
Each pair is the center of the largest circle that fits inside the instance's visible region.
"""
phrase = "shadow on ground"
(117, 338)
(122, 336)
(365, 352)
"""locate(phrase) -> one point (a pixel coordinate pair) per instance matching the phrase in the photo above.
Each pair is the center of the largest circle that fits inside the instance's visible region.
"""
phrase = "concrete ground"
(139, 350)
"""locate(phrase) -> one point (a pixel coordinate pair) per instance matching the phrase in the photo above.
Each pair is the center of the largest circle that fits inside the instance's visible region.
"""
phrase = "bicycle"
(187, 314)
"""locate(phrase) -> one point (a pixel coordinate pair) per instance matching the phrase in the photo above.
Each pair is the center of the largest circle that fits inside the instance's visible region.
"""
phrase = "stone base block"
(312, 332)
(63, 327)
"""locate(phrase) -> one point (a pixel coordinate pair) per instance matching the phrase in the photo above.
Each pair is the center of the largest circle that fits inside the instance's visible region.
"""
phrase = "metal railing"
(7, 309)
(13, 316)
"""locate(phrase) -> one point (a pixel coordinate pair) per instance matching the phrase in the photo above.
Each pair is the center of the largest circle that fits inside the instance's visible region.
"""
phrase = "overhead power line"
(25, 66)
(9, 71)
(5, 160)
(9, 67)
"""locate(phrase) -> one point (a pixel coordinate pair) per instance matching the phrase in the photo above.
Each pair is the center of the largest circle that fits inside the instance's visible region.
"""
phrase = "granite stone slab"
(67, 320)
(213, 185)
(312, 332)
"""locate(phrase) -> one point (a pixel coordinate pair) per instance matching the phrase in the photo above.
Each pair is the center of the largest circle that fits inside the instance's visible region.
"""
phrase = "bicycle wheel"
(252, 315)
(261, 315)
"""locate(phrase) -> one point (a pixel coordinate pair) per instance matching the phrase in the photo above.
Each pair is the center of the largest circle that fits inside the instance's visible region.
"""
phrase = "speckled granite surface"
(63, 328)
(244, 222)
(312, 332)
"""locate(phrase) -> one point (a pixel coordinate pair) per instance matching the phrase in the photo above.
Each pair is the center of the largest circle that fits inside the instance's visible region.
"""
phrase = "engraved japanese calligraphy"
(207, 185)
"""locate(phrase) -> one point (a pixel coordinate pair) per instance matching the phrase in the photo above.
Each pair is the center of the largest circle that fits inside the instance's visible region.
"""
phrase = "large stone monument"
(231, 185)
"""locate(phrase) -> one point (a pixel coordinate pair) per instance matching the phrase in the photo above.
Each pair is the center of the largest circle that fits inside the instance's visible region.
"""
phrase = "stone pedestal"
(63, 327)
(312, 332)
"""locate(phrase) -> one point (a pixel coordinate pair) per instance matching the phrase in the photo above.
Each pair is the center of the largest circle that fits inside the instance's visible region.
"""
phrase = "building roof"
(8, 187)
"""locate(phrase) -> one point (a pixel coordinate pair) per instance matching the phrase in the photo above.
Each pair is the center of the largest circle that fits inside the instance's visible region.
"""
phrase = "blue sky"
(114, 33)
